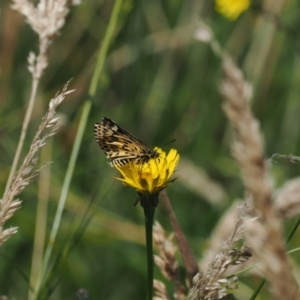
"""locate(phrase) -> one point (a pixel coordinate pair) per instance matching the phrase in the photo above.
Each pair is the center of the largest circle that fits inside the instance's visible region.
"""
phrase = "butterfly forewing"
(120, 146)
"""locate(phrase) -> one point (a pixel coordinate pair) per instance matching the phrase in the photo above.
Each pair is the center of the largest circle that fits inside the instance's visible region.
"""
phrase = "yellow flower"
(152, 176)
(231, 9)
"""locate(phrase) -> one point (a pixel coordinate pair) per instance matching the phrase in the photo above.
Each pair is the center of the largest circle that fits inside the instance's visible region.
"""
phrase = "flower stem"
(149, 203)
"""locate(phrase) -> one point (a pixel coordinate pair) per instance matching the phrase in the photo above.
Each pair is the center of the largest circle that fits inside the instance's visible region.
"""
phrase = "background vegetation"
(159, 83)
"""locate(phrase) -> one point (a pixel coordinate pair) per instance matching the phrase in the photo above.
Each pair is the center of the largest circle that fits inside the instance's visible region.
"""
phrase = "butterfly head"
(153, 154)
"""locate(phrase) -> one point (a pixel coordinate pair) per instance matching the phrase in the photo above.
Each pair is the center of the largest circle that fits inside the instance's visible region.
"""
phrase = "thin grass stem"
(83, 120)
(104, 47)
(26, 121)
(41, 217)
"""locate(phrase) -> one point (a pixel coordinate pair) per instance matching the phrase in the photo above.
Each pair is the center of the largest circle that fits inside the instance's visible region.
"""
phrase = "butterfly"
(120, 146)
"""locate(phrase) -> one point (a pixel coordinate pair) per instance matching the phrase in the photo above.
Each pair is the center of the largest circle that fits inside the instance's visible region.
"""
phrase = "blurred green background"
(159, 83)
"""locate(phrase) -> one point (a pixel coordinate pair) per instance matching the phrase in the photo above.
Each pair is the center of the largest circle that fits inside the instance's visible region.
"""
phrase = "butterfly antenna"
(172, 141)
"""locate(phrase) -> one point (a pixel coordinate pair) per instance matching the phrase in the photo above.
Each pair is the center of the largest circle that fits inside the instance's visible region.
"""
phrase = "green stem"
(256, 292)
(82, 124)
(293, 230)
(149, 203)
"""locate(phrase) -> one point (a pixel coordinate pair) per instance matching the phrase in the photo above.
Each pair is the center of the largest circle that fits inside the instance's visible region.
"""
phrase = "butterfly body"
(120, 146)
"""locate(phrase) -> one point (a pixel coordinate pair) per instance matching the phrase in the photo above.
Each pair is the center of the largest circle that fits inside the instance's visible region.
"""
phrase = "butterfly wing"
(119, 145)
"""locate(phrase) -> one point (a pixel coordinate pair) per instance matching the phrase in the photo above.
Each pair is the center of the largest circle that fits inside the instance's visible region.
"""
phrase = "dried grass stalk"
(46, 19)
(288, 199)
(225, 227)
(189, 261)
(264, 236)
(27, 171)
(160, 291)
(165, 259)
(211, 284)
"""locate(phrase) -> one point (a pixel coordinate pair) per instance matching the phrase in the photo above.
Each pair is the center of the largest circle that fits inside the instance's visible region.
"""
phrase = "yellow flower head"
(231, 9)
(152, 176)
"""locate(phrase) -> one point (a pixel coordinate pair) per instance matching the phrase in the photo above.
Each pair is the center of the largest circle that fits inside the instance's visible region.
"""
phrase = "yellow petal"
(153, 175)
(232, 9)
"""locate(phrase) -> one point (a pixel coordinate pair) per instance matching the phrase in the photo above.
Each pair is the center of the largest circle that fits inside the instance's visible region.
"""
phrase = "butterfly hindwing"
(120, 146)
